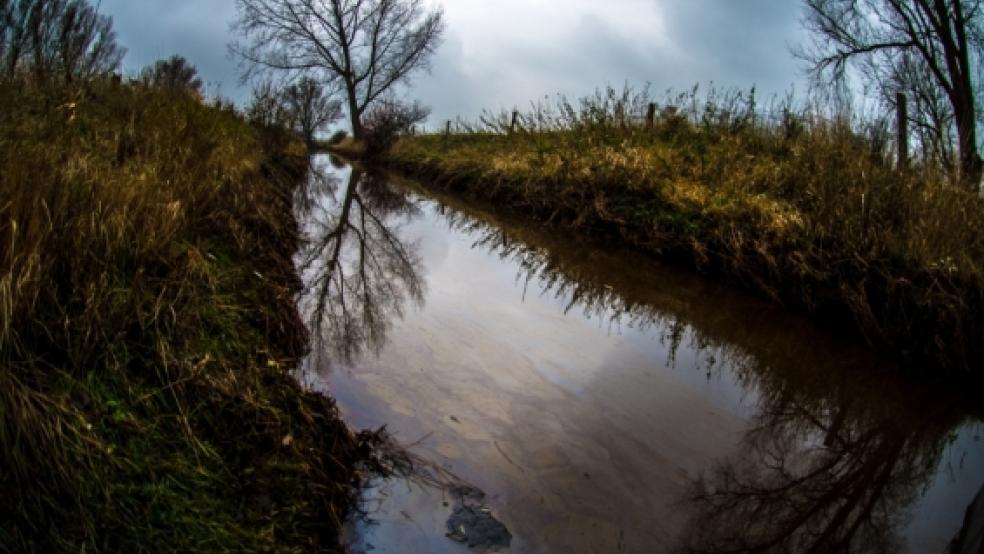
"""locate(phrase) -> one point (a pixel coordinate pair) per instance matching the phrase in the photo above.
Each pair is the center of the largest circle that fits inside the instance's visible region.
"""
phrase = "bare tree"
(174, 74)
(57, 37)
(266, 107)
(312, 107)
(363, 46)
(927, 48)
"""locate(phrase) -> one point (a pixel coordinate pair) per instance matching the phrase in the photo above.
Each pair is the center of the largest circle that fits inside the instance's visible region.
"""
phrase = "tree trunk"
(902, 131)
(958, 61)
(971, 165)
(357, 130)
(965, 113)
(354, 112)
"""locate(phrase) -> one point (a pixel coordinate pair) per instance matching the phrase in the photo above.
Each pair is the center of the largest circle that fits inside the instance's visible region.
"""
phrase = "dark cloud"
(515, 52)
(738, 43)
(510, 52)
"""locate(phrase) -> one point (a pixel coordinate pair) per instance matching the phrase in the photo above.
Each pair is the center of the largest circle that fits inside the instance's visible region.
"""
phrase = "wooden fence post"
(512, 124)
(651, 116)
(902, 129)
(447, 128)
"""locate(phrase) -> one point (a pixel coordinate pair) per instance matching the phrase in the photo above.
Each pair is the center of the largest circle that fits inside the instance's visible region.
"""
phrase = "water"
(605, 402)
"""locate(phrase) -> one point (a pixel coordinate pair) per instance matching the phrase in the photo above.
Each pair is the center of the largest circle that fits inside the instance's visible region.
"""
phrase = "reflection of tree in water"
(585, 279)
(839, 451)
(832, 465)
(358, 273)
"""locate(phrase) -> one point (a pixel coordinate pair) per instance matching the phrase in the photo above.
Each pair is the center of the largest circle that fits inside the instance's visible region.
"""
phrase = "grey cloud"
(195, 29)
(729, 43)
(739, 43)
(495, 55)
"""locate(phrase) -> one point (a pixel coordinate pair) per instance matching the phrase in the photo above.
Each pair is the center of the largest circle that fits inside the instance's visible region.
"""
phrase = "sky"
(499, 54)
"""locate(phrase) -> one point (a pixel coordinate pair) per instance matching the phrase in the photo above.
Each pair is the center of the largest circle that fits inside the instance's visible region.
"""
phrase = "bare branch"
(367, 46)
(924, 48)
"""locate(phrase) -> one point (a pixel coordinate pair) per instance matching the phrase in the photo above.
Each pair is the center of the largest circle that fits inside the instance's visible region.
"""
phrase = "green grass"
(148, 330)
(807, 210)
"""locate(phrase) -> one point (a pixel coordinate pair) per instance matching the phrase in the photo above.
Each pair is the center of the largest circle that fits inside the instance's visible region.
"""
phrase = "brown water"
(605, 402)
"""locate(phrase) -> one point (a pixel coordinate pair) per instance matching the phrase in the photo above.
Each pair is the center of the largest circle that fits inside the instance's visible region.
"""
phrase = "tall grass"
(147, 331)
(805, 207)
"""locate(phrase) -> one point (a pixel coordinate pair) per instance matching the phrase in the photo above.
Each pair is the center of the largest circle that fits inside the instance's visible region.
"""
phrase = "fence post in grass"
(902, 129)
(447, 128)
(512, 124)
(651, 116)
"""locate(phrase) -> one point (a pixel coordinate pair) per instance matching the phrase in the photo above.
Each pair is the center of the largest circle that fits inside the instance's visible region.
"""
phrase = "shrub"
(386, 121)
(338, 136)
(174, 74)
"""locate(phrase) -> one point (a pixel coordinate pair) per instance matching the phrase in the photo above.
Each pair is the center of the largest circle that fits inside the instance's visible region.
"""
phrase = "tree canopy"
(364, 47)
(312, 107)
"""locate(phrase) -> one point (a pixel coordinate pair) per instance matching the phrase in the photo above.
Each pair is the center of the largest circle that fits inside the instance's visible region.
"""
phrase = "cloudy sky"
(504, 53)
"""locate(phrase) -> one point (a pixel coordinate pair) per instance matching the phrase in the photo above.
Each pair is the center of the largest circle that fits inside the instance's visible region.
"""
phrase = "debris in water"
(477, 527)
(472, 522)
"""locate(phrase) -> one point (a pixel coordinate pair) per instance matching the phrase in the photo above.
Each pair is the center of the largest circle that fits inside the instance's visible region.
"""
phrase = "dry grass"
(148, 328)
(805, 209)
(346, 147)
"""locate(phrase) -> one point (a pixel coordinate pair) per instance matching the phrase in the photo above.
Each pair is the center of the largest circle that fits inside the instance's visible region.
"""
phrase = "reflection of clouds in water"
(840, 450)
(358, 272)
(589, 281)
(835, 454)
(435, 247)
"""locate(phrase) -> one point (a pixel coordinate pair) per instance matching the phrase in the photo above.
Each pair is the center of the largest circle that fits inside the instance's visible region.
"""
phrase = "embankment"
(809, 213)
(148, 331)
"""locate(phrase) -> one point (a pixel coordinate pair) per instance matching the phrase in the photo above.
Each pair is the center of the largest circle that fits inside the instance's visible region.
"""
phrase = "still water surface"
(605, 402)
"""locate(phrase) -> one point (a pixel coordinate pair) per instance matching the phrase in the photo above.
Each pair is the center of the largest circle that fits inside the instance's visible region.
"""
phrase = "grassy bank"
(348, 147)
(809, 211)
(148, 329)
